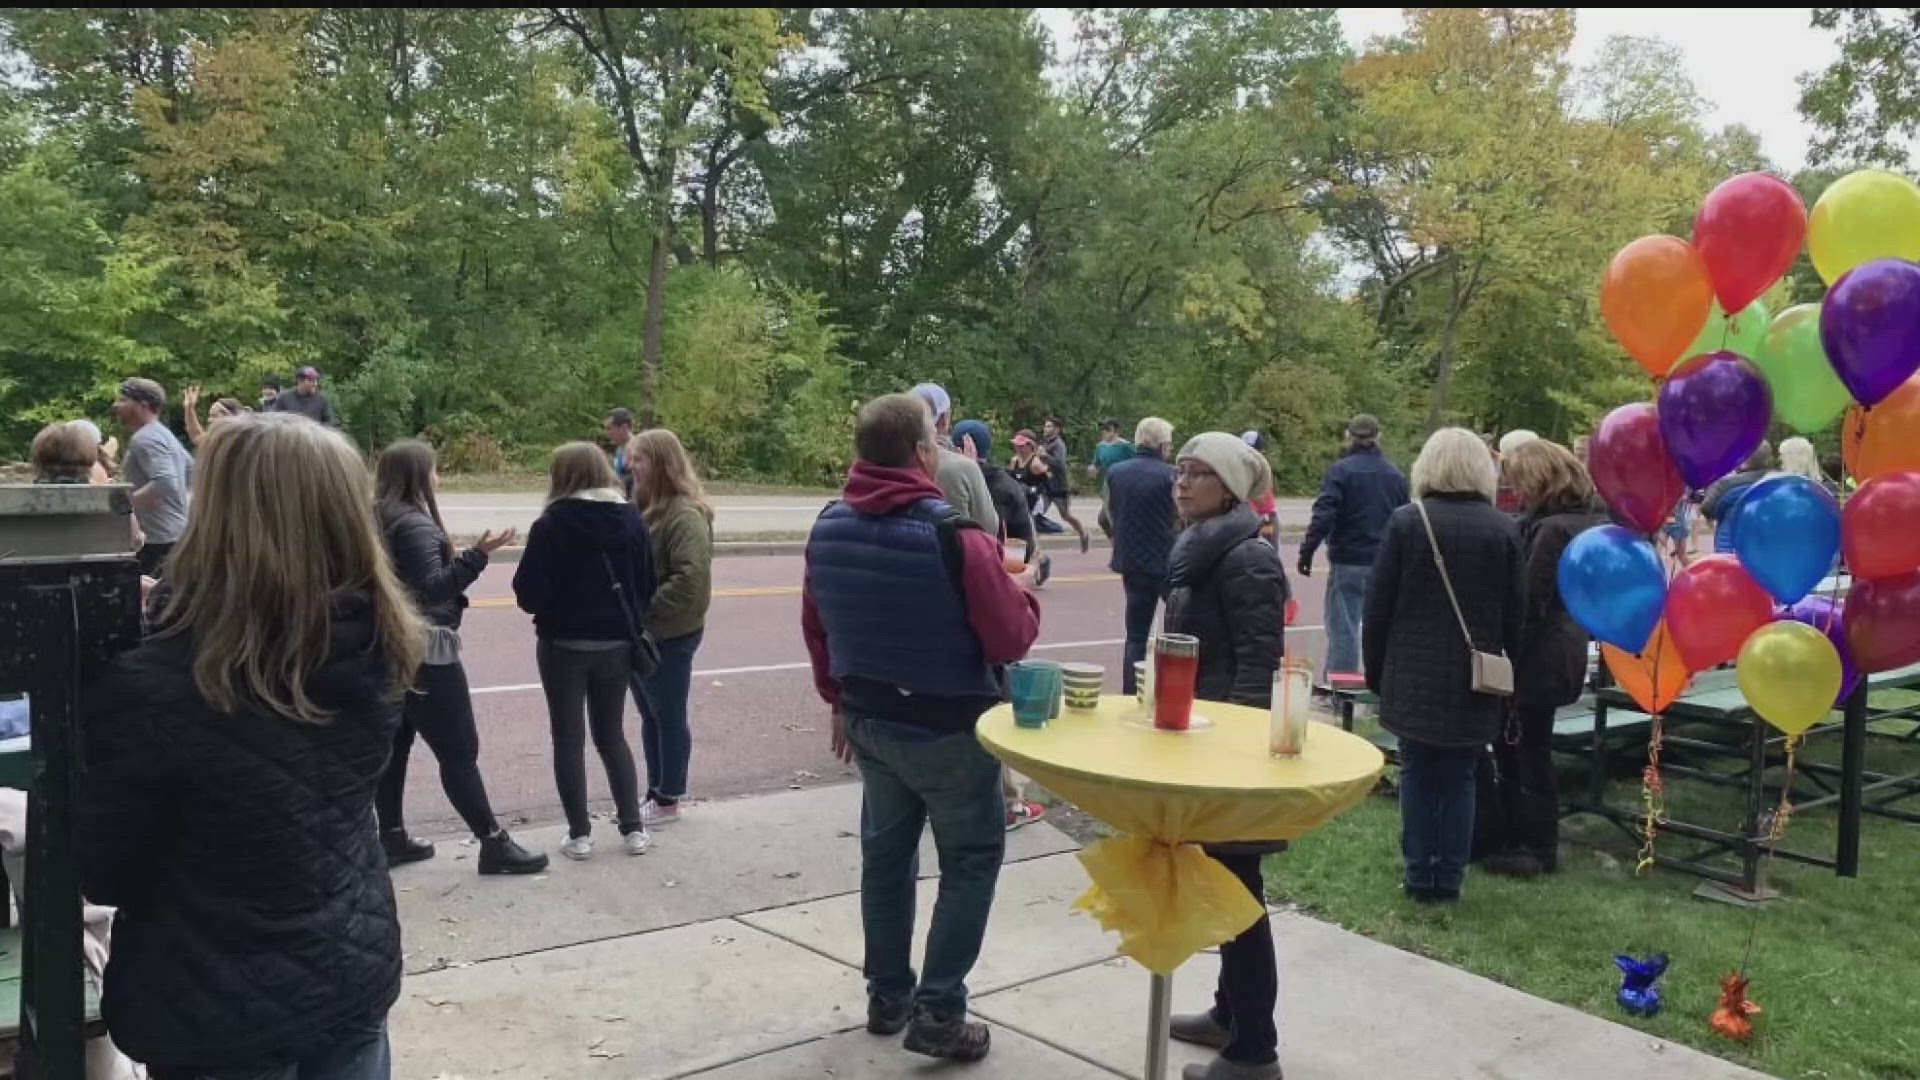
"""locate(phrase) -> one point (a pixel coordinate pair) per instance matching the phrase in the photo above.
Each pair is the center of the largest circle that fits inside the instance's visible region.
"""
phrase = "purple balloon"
(1870, 327)
(1823, 613)
(1713, 413)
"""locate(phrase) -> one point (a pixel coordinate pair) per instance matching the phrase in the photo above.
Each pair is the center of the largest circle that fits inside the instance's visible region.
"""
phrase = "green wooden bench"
(10, 990)
(1714, 705)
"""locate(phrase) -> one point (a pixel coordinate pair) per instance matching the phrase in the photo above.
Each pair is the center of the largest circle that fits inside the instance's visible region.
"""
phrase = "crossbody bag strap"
(620, 596)
(1445, 580)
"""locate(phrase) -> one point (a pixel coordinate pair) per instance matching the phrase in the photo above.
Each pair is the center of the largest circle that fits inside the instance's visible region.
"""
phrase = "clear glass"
(1292, 708)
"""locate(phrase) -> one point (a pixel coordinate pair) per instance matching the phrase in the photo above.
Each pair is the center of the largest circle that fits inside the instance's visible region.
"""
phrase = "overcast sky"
(1744, 61)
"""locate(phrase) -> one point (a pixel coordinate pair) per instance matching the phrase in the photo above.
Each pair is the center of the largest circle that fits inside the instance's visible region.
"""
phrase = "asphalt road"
(735, 516)
(758, 725)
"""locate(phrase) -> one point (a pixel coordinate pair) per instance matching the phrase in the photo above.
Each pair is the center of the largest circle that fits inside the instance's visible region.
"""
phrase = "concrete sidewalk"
(732, 952)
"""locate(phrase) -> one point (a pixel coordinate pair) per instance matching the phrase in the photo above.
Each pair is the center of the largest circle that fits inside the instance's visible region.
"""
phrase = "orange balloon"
(1656, 297)
(1886, 438)
(1657, 677)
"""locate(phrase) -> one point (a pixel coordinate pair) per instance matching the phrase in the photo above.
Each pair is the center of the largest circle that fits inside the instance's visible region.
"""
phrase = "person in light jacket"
(1418, 660)
(1227, 588)
(670, 497)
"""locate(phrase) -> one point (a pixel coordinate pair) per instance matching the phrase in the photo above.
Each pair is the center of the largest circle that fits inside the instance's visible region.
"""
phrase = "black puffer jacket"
(423, 557)
(1551, 666)
(1416, 659)
(1229, 590)
(256, 919)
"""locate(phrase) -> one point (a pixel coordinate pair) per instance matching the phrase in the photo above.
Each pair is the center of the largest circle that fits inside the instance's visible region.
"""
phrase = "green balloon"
(1807, 395)
(1741, 332)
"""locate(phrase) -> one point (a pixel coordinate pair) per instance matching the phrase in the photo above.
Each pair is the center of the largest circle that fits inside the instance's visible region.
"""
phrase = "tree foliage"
(489, 225)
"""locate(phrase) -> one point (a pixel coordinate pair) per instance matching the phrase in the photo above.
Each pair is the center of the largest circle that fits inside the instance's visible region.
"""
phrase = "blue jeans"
(1436, 813)
(1143, 594)
(911, 778)
(1346, 602)
(363, 1057)
(664, 734)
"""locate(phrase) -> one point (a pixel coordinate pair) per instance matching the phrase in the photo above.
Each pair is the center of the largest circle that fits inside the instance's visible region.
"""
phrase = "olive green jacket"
(683, 565)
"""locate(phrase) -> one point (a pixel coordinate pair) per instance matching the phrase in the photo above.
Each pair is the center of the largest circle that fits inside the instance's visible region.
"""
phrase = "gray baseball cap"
(1364, 426)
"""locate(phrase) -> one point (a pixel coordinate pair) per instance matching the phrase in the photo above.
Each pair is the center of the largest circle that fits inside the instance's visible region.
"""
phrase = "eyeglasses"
(1193, 474)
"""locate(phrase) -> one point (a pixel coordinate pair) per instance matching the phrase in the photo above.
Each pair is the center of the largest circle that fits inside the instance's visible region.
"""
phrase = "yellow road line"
(794, 590)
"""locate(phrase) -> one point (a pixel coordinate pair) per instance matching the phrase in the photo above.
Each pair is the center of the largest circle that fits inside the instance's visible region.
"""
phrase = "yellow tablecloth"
(1169, 791)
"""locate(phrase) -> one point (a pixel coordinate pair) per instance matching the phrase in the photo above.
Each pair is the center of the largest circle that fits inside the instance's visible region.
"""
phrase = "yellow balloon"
(1863, 216)
(1790, 674)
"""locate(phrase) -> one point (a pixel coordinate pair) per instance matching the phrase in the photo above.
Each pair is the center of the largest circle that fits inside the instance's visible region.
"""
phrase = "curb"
(728, 548)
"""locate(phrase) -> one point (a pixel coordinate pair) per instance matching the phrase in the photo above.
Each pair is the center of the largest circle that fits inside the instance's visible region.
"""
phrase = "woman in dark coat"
(227, 804)
(440, 707)
(1550, 668)
(1229, 590)
(587, 579)
(1418, 661)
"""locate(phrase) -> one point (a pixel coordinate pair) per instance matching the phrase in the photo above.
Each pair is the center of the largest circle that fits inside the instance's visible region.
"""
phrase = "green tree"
(1865, 106)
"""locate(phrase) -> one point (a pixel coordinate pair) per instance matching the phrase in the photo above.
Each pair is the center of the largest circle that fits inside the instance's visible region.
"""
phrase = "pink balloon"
(1632, 469)
(1882, 620)
(1749, 231)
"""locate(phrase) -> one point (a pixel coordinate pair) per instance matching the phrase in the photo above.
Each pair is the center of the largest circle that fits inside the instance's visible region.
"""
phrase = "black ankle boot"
(402, 849)
(500, 854)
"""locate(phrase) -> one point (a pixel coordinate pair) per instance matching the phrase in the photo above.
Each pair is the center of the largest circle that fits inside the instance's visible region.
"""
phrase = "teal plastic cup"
(1032, 688)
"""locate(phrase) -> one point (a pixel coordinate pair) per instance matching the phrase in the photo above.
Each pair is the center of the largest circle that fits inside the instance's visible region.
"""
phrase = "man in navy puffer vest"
(909, 615)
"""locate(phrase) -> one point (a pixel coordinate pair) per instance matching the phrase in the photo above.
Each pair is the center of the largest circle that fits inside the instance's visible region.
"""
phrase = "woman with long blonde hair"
(586, 577)
(227, 806)
(669, 494)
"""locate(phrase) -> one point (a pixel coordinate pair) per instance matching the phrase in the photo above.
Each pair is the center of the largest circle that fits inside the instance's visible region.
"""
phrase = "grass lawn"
(1836, 965)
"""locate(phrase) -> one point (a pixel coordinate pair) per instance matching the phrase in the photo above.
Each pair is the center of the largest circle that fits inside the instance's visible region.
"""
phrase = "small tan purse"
(1492, 672)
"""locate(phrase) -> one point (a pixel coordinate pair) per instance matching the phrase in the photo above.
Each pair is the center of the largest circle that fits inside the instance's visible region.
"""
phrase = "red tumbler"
(1176, 664)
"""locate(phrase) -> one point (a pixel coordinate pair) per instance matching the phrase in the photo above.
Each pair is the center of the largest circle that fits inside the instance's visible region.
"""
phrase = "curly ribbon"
(1653, 794)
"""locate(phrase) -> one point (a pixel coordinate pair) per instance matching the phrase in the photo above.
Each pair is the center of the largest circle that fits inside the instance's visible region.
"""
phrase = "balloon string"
(1652, 788)
(1776, 832)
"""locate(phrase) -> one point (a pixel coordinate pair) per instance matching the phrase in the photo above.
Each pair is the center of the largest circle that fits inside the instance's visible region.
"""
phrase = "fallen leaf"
(802, 774)
(673, 884)
(613, 1018)
(844, 833)
(449, 919)
(596, 1044)
(798, 730)
(436, 1002)
(722, 940)
(607, 1054)
(788, 876)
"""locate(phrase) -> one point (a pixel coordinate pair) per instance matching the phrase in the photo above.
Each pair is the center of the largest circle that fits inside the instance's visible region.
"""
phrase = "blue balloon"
(1786, 531)
(1612, 583)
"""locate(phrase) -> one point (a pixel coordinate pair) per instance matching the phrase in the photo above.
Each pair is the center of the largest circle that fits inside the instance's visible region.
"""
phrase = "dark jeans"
(360, 1058)
(664, 735)
(440, 710)
(909, 780)
(1518, 801)
(1436, 813)
(588, 687)
(153, 559)
(1143, 593)
(1249, 987)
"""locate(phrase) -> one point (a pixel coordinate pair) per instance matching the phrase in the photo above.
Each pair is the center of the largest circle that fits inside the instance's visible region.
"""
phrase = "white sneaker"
(637, 841)
(655, 814)
(579, 848)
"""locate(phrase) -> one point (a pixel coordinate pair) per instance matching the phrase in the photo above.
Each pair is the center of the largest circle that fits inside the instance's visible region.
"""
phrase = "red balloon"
(1631, 467)
(1712, 608)
(1880, 526)
(1882, 621)
(1749, 231)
